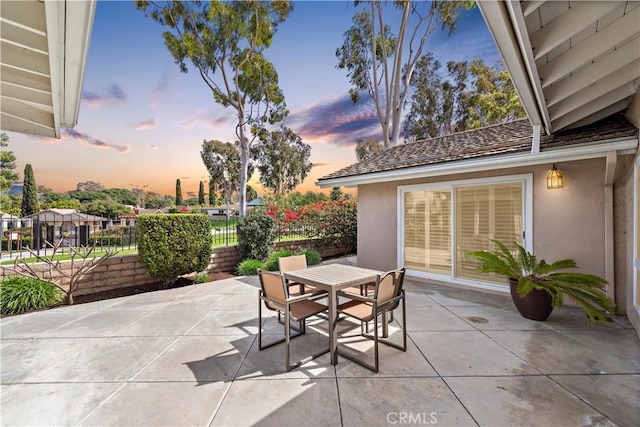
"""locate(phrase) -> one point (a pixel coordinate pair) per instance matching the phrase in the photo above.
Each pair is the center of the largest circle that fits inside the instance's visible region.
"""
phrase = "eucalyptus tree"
(222, 160)
(283, 160)
(493, 97)
(375, 58)
(225, 41)
(473, 95)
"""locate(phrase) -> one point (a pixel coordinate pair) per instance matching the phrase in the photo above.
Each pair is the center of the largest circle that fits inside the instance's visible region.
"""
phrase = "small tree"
(201, 194)
(30, 204)
(66, 279)
(178, 192)
(256, 234)
(336, 194)
(170, 246)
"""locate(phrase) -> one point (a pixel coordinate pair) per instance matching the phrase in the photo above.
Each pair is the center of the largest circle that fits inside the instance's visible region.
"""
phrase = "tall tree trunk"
(244, 167)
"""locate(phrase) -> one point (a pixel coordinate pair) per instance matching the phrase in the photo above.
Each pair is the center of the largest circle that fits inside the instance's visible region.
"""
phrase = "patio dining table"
(332, 278)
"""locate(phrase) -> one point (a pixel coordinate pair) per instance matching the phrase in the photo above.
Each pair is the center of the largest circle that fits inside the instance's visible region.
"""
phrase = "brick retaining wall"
(125, 271)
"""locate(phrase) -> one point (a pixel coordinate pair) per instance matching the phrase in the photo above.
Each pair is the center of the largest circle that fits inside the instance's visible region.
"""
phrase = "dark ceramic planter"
(535, 306)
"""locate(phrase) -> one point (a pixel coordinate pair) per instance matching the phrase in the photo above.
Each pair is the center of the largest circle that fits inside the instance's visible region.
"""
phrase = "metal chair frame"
(376, 310)
(285, 309)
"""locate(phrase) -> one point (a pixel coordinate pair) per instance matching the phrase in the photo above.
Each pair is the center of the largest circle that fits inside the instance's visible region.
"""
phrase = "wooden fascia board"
(500, 27)
(78, 29)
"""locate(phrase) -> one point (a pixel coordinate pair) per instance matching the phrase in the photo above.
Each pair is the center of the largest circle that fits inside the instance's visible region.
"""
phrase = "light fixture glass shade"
(554, 179)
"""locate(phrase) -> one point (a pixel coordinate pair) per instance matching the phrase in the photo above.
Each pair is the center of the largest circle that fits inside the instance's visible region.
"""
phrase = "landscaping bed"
(133, 290)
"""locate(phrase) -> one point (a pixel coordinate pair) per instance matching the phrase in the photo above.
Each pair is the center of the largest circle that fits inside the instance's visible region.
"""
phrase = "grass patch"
(66, 257)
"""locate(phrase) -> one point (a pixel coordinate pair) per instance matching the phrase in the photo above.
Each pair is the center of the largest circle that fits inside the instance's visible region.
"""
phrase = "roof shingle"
(505, 138)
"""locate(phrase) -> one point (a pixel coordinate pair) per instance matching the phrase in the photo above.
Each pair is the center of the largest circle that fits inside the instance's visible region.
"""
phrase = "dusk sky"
(142, 122)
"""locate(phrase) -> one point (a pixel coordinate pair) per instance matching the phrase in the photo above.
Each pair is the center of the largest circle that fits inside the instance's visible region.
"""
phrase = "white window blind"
(427, 231)
(482, 213)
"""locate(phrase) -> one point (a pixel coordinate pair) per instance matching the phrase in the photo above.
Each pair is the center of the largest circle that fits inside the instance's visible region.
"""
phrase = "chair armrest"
(303, 297)
(355, 296)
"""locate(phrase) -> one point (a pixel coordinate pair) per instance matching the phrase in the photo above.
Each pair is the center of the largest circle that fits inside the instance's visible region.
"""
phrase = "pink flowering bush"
(335, 221)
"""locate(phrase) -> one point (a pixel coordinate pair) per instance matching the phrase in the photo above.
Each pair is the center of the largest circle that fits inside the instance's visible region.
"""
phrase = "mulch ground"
(132, 290)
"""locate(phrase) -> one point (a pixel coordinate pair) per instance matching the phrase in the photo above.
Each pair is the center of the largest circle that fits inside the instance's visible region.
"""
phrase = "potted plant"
(538, 287)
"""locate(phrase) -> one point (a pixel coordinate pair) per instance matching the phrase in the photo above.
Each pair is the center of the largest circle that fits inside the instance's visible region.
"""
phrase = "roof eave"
(510, 34)
(79, 27)
(624, 145)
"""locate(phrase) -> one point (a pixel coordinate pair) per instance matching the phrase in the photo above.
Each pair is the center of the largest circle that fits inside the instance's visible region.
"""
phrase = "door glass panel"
(483, 213)
(427, 231)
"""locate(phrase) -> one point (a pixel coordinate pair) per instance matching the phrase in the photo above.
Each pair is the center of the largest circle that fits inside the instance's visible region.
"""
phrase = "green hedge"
(172, 245)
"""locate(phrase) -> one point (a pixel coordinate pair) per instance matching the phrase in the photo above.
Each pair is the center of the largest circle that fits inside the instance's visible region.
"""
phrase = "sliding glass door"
(484, 213)
(442, 222)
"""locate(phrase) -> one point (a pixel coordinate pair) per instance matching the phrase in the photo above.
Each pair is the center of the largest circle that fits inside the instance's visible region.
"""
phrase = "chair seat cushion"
(306, 308)
(358, 309)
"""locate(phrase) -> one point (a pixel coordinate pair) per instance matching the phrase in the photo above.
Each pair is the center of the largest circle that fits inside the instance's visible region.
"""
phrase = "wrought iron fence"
(40, 232)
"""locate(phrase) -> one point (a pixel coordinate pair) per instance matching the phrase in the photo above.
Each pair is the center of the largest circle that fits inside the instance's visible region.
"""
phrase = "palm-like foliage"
(586, 289)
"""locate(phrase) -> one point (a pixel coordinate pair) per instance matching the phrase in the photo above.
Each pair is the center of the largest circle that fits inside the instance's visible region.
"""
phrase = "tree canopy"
(368, 149)
(474, 95)
(374, 57)
(225, 41)
(8, 175)
(283, 160)
(89, 186)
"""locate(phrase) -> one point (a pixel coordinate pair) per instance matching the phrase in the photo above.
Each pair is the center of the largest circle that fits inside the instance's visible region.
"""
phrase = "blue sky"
(142, 122)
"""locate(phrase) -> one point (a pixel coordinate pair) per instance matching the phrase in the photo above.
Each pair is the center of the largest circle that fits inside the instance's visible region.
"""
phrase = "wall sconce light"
(555, 179)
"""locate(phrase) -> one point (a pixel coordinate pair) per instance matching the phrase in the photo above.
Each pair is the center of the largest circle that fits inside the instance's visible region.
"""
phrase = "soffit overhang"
(572, 62)
(44, 47)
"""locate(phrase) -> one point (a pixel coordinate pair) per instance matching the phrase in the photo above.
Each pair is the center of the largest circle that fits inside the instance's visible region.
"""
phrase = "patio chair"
(274, 292)
(386, 298)
(296, 262)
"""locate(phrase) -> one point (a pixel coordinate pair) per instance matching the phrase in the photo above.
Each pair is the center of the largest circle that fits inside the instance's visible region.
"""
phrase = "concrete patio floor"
(188, 356)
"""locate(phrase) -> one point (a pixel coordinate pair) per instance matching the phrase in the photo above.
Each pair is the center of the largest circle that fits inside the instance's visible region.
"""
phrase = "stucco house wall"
(567, 223)
(624, 239)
